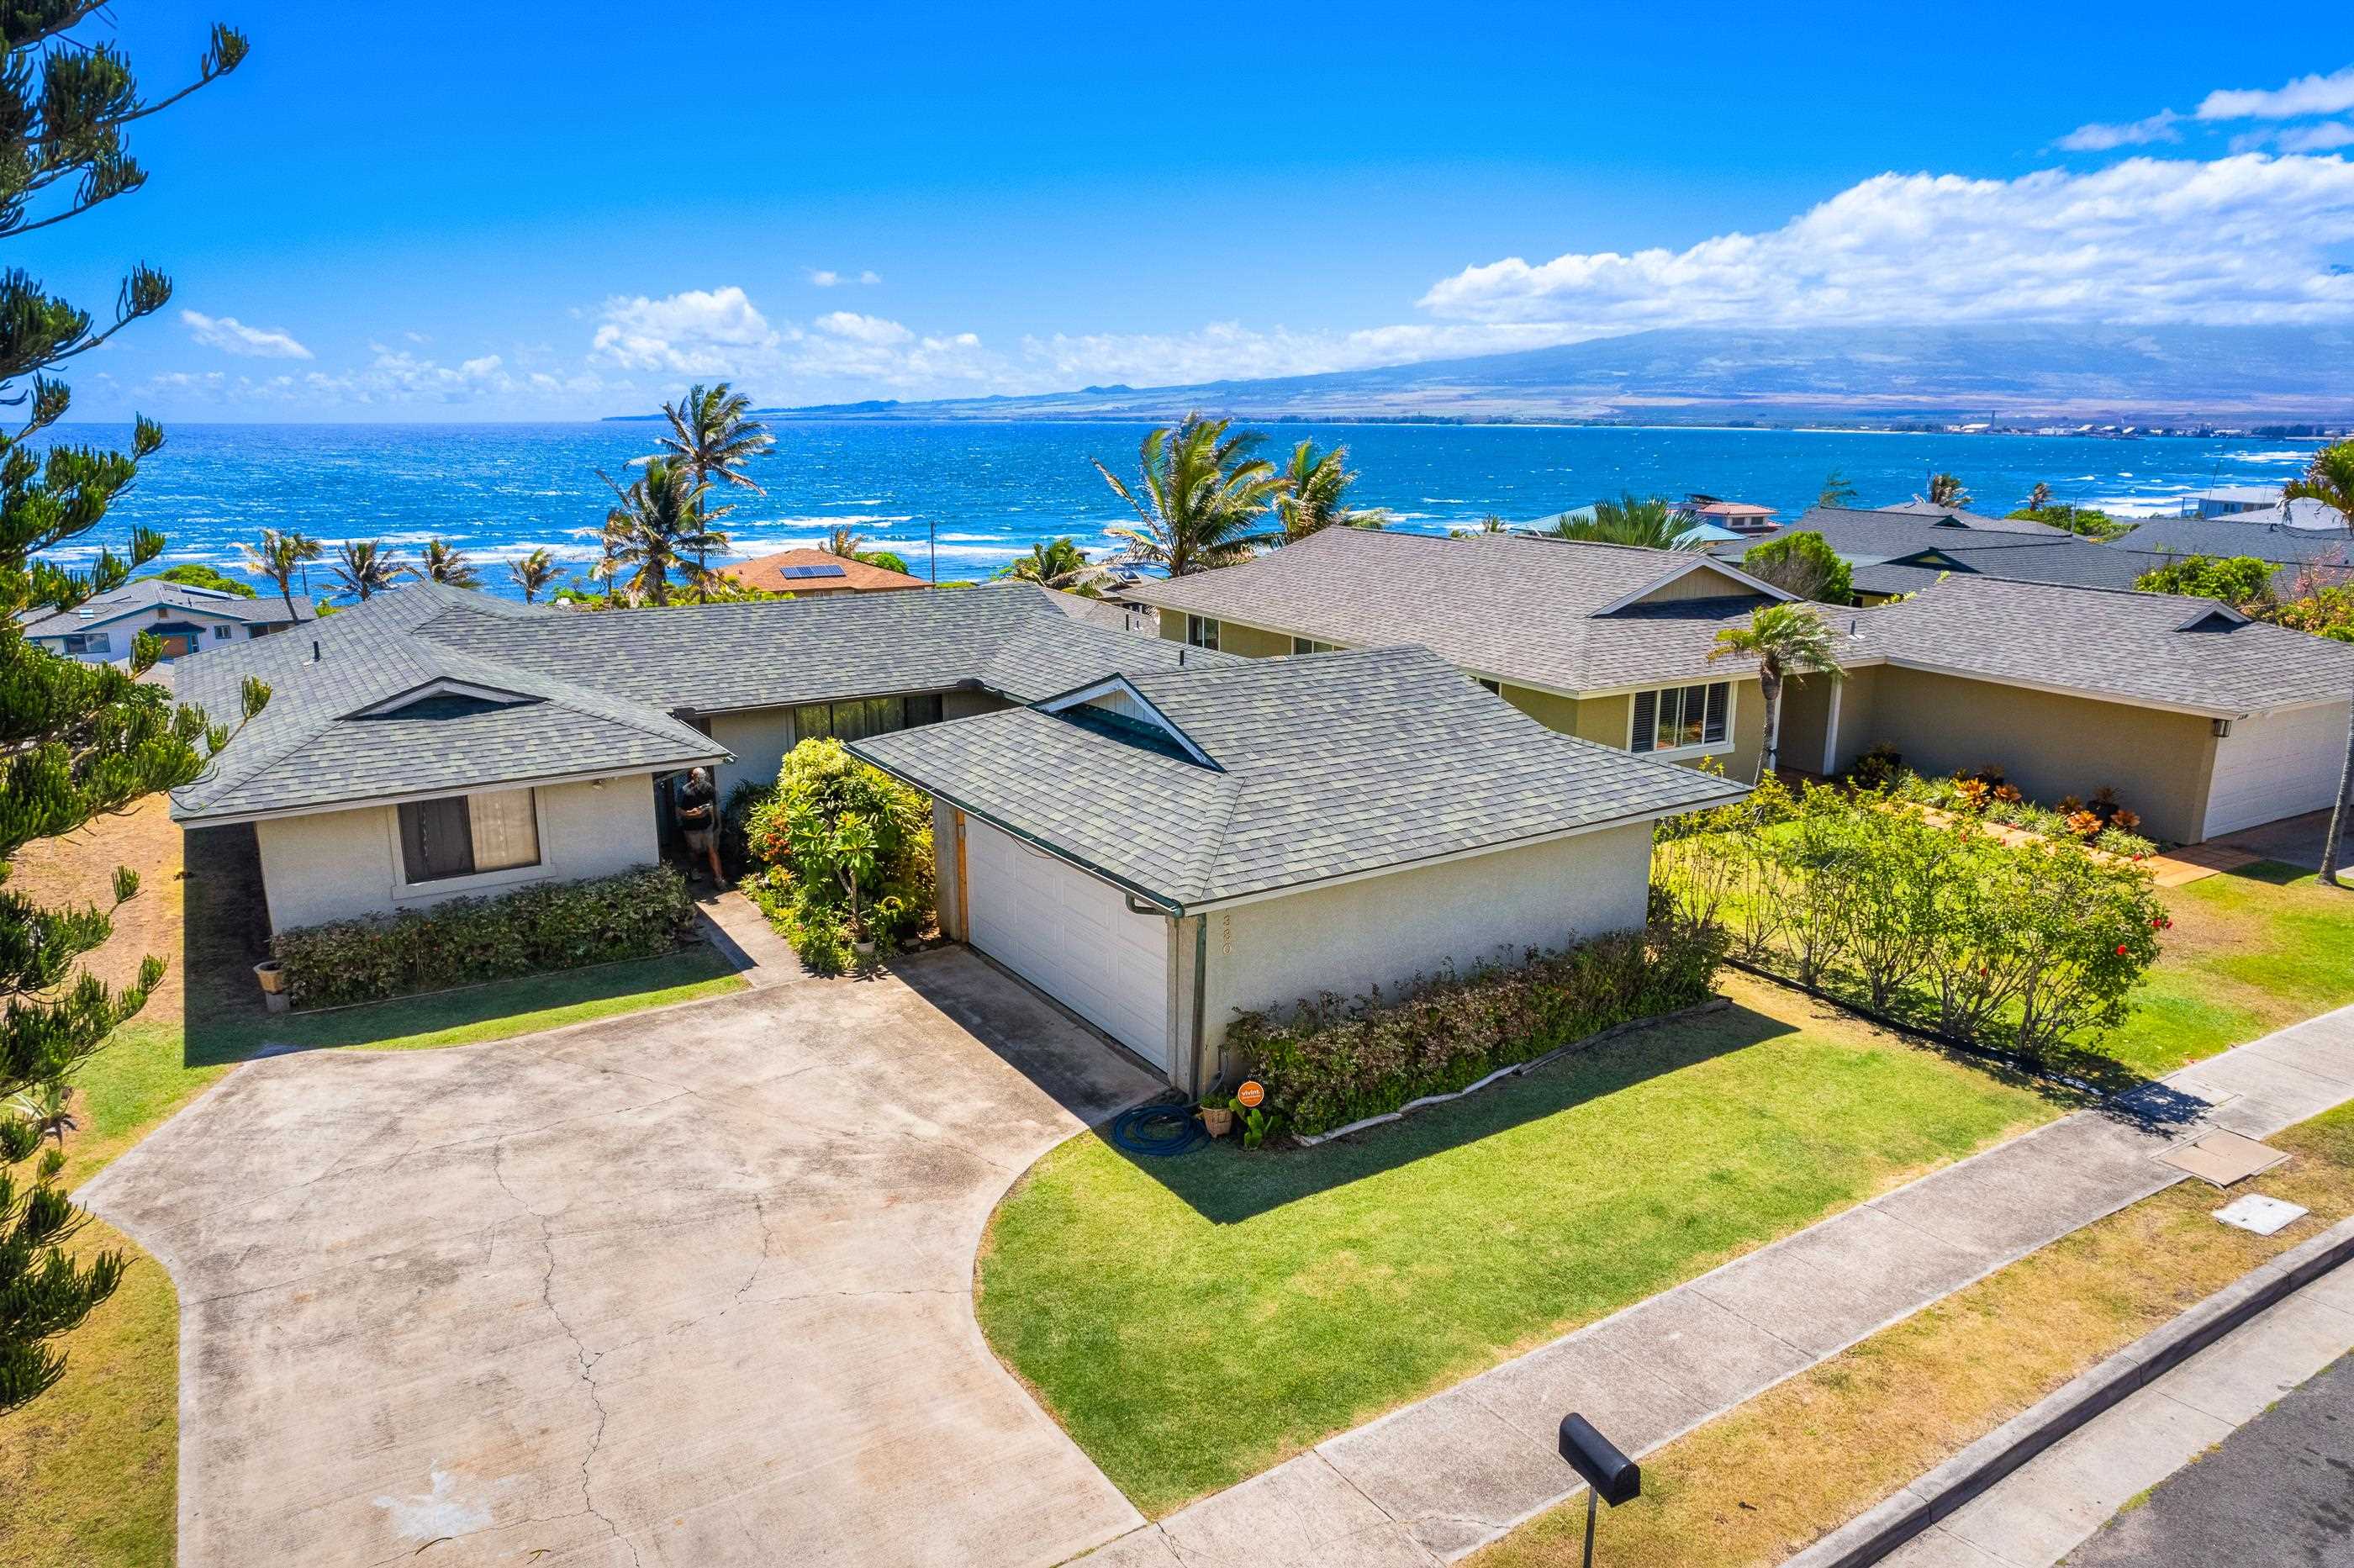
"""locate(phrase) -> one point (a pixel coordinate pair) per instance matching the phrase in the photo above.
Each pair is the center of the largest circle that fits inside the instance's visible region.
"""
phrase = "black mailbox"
(1615, 1478)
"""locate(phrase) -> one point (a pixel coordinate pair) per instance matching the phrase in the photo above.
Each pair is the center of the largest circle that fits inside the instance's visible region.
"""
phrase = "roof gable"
(1117, 709)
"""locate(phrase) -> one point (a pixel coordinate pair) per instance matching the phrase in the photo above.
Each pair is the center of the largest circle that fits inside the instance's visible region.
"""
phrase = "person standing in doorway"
(697, 809)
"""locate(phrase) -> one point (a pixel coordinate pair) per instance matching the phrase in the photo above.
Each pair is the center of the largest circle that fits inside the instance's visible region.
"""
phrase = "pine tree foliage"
(78, 741)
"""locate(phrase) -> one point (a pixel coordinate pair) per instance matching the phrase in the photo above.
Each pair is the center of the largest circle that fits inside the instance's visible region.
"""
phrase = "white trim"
(1085, 695)
(1706, 748)
(442, 687)
(2214, 607)
(1700, 558)
(407, 892)
(1830, 733)
(538, 781)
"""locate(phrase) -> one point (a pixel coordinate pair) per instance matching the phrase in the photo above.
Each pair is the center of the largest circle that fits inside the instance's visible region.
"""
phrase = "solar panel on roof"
(813, 571)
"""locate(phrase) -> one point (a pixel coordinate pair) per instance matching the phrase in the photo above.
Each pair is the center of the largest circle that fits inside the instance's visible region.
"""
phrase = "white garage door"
(1070, 936)
(2274, 766)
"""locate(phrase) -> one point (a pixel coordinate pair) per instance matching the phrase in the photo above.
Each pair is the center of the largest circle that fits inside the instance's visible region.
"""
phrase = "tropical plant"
(365, 567)
(1315, 494)
(2329, 478)
(1199, 498)
(848, 852)
(2039, 497)
(712, 437)
(2237, 580)
(444, 563)
(655, 529)
(1786, 640)
(196, 574)
(1837, 492)
(1055, 564)
(889, 560)
(80, 740)
(533, 573)
(2091, 522)
(49, 1108)
(844, 542)
(1946, 490)
(279, 557)
(1802, 563)
(1650, 521)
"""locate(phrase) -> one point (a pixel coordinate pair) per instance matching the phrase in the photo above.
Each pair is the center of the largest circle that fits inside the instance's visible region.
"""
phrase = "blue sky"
(438, 212)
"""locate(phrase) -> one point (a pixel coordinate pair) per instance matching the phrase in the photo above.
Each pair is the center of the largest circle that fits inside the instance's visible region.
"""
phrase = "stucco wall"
(336, 865)
(1245, 641)
(1385, 929)
(1700, 582)
(1806, 718)
(948, 866)
(760, 737)
(2048, 745)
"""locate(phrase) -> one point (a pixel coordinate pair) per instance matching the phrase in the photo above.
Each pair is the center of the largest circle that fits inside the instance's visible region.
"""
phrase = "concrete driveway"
(689, 1288)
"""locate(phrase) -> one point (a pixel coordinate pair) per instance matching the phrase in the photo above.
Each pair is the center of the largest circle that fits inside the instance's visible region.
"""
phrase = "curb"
(1921, 1503)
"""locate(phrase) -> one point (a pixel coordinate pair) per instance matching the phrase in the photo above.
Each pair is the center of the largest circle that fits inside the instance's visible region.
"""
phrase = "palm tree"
(712, 436)
(533, 573)
(280, 556)
(1057, 565)
(1649, 520)
(1201, 496)
(1786, 640)
(2039, 497)
(1945, 490)
(1837, 492)
(445, 564)
(1316, 486)
(2328, 478)
(49, 1107)
(657, 528)
(365, 567)
(845, 543)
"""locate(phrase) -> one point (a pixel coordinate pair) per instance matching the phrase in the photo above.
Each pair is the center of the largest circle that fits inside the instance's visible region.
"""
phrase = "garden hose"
(1158, 1131)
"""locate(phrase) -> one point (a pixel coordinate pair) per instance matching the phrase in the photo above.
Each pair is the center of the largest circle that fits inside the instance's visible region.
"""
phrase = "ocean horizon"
(972, 495)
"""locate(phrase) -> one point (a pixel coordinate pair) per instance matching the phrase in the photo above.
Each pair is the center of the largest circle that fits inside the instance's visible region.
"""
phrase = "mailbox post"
(1609, 1476)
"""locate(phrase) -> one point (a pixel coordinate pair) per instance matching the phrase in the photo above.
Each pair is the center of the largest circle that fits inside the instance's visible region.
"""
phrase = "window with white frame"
(465, 835)
(1201, 632)
(1681, 718)
(90, 643)
(221, 633)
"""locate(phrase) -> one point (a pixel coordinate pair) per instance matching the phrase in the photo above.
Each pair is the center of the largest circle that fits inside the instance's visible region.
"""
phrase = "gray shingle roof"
(2127, 647)
(1883, 552)
(1952, 519)
(2330, 550)
(604, 687)
(1327, 765)
(133, 598)
(1514, 608)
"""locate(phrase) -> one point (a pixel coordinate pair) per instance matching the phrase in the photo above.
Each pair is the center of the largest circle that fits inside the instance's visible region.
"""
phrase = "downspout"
(1201, 986)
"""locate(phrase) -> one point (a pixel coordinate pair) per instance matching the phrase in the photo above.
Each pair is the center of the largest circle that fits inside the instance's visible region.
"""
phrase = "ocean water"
(969, 496)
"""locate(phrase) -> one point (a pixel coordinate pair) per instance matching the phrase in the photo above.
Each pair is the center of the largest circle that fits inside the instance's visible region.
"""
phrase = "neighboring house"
(2230, 499)
(1889, 552)
(1160, 850)
(186, 619)
(1741, 517)
(1953, 517)
(1607, 642)
(809, 573)
(2326, 554)
(435, 742)
(2202, 721)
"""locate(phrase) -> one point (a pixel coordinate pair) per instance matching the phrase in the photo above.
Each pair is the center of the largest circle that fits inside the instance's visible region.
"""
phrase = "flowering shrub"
(2031, 947)
(1328, 1061)
(1983, 793)
(558, 926)
(847, 853)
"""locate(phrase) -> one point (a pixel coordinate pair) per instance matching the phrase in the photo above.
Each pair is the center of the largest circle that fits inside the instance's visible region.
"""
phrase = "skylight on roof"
(798, 573)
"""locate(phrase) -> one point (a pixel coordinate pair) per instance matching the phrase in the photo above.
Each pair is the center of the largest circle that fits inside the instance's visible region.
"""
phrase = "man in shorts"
(696, 807)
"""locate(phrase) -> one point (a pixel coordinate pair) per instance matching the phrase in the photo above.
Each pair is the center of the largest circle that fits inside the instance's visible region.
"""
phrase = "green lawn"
(2250, 951)
(1195, 1321)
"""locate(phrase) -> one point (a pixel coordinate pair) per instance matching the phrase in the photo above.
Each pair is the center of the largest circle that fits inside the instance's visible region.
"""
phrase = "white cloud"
(862, 329)
(699, 332)
(2321, 138)
(2238, 239)
(2100, 138)
(231, 335)
(826, 279)
(2331, 94)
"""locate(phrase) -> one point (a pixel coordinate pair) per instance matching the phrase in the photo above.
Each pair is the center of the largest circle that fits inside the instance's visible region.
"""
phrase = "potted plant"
(1217, 1114)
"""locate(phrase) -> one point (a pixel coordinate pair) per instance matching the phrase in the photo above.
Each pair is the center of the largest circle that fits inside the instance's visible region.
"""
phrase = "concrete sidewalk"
(2059, 1500)
(1432, 1482)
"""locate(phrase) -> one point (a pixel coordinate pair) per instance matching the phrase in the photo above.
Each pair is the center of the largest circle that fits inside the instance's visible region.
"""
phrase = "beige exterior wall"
(1606, 722)
(760, 737)
(1703, 583)
(335, 866)
(1243, 641)
(1555, 713)
(1385, 929)
(2048, 745)
(965, 704)
(1805, 719)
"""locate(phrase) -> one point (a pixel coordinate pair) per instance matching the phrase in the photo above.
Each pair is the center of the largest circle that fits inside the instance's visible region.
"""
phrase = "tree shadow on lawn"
(1227, 1185)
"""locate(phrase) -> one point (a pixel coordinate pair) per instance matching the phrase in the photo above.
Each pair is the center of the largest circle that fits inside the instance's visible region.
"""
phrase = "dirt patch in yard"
(79, 869)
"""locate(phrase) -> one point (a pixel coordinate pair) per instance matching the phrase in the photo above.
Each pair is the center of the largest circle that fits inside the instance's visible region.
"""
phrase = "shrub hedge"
(637, 913)
(1327, 1062)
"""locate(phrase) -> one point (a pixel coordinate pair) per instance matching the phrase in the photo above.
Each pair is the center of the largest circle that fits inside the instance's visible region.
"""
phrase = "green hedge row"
(635, 915)
(1329, 1062)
